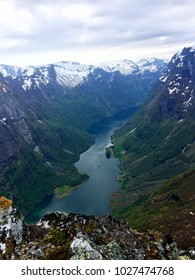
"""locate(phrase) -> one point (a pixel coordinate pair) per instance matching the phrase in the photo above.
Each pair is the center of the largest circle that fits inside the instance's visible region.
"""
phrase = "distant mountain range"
(45, 112)
(71, 74)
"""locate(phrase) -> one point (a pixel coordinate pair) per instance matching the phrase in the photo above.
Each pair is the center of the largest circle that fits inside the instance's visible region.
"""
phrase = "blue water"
(92, 198)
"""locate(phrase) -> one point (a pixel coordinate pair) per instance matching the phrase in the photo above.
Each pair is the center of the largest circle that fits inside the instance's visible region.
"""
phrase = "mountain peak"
(124, 66)
(178, 81)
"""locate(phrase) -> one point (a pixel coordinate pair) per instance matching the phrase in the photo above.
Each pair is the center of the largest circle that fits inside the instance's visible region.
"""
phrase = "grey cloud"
(108, 23)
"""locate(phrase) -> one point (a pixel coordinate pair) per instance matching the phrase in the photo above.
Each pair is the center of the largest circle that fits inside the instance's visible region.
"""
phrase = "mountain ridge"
(157, 144)
(82, 70)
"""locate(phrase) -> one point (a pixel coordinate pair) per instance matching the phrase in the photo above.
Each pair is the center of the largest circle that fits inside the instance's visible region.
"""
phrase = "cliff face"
(157, 150)
(173, 96)
(14, 129)
(77, 237)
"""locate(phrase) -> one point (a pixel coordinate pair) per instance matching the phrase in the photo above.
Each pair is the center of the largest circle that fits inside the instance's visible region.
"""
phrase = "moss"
(56, 237)
(183, 258)
(59, 253)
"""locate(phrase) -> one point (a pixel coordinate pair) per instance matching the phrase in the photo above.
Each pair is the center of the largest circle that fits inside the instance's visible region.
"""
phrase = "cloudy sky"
(43, 31)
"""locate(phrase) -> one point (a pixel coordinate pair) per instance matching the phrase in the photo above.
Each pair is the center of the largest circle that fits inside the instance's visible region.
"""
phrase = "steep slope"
(45, 112)
(40, 141)
(170, 210)
(158, 142)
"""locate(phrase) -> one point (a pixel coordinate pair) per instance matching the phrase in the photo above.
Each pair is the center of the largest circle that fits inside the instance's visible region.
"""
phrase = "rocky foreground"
(78, 237)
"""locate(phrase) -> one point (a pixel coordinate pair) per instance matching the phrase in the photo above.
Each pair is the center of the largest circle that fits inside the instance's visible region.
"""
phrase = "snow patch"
(180, 120)
(172, 91)
(131, 131)
(29, 71)
(125, 66)
(3, 120)
(27, 84)
(188, 103)
(163, 78)
(185, 148)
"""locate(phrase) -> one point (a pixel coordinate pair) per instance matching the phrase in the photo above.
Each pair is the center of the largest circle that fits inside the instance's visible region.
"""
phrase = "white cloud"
(39, 31)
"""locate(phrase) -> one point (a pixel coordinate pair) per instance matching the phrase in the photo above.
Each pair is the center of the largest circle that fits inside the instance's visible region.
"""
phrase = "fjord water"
(92, 198)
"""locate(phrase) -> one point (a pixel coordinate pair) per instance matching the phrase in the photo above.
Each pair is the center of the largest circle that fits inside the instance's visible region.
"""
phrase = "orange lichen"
(4, 202)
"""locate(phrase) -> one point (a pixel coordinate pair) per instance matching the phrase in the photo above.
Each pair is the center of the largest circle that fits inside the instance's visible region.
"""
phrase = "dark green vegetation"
(45, 114)
(170, 209)
(150, 155)
(44, 128)
(157, 152)
(58, 143)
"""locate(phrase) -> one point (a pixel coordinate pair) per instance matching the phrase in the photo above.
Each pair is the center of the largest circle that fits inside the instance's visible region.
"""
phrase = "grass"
(156, 175)
(61, 192)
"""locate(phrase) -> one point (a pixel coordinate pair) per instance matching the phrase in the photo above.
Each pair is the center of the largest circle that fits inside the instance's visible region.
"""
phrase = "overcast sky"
(43, 31)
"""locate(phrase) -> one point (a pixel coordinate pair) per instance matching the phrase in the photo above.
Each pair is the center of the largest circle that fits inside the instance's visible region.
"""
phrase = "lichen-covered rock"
(4, 202)
(191, 253)
(82, 250)
(79, 237)
(11, 228)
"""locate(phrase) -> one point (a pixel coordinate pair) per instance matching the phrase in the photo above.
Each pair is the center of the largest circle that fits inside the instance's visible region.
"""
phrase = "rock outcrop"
(78, 237)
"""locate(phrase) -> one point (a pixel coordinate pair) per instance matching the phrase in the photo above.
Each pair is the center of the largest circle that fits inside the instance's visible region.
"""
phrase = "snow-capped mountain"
(128, 67)
(151, 64)
(125, 67)
(177, 83)
(9, 70)
(67, 74)
(71, 74)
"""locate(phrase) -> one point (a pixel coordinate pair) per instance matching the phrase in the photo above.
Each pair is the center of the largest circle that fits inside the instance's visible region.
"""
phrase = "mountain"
(155, 145)
(128, 67)
(40, 141)
(45, 114)
(78, 237)
(9, 70)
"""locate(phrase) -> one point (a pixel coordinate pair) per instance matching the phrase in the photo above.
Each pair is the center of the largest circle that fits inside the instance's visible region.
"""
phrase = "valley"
(47, 117)
(93, 196)
(45, 114)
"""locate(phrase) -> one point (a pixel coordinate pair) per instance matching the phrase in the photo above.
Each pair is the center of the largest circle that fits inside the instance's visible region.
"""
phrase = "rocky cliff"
(77, 237)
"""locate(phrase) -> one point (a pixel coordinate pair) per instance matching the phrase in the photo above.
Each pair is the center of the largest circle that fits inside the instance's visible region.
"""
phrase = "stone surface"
(79, 237)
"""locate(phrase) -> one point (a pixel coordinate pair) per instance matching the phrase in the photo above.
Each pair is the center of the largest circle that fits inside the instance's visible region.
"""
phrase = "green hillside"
(157, 152)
